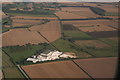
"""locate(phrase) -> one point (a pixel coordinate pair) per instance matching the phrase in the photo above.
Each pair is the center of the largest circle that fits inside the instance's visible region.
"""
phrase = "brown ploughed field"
(99, 67)
(21, 37)
(51, 31)
(61, 69)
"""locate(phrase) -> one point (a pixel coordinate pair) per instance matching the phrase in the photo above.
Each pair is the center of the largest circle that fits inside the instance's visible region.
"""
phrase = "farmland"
(103, 67)
(59, 40)
(96, 29)
(76, 35)
(68, 15)
(103, 34)
(92, 43)
(70, 47)
(64, 69)
(9, 67)
(82, 11)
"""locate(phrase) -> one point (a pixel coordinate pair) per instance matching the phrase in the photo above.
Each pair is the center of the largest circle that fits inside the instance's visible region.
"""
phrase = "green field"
(105, 52)
(20, 53)
(9, 69)
(77, 35)
(66, 46)
(110, 42)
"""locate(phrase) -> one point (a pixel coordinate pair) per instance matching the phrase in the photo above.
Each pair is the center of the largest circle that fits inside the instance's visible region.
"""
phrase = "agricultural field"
(110, 23)
(68, 15)
(103, 34)
(9, 67)
(82, 11)
(70, 47)
(23, 16)
(99, 67)
(15, 37)
(77, 35)
(33, 32)
(21, 22)
(91, 43)
(97, 29)
(20, 53)
(49, 30)
(61, 69)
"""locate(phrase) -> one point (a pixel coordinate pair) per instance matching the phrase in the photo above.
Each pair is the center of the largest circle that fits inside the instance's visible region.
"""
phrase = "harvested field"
(93, 22)
(21, 22)
(32, 17)
(68, 15)
(92, 43)
(82, 11)
(114, 38)
(21, 37)
(109, 8)
(99, 67)
(61, 69)
(51, 31)
(103, 34)
(97, 29)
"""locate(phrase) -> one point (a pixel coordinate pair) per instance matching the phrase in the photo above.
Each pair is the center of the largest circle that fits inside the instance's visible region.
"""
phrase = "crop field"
(61, 69)
(9, 69)
(113, 41)
(103, 34)
(92, 22)
(20, 53)
(22, 22)
(33, 17)
(51, 31)
(68, 15)
(97, 29)
(109, 8)
(77, 35)
(70, 27)
(99, 67)
(70, 47)
(21, 37)
(92, 43)
(82, 11)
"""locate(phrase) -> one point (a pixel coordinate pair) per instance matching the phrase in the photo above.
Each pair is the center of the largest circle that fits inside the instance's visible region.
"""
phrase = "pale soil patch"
(99, 67)
(51, 31)
(21, 37)
(68, 15)
(61, 69)
(93, 43)
(94, 29)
